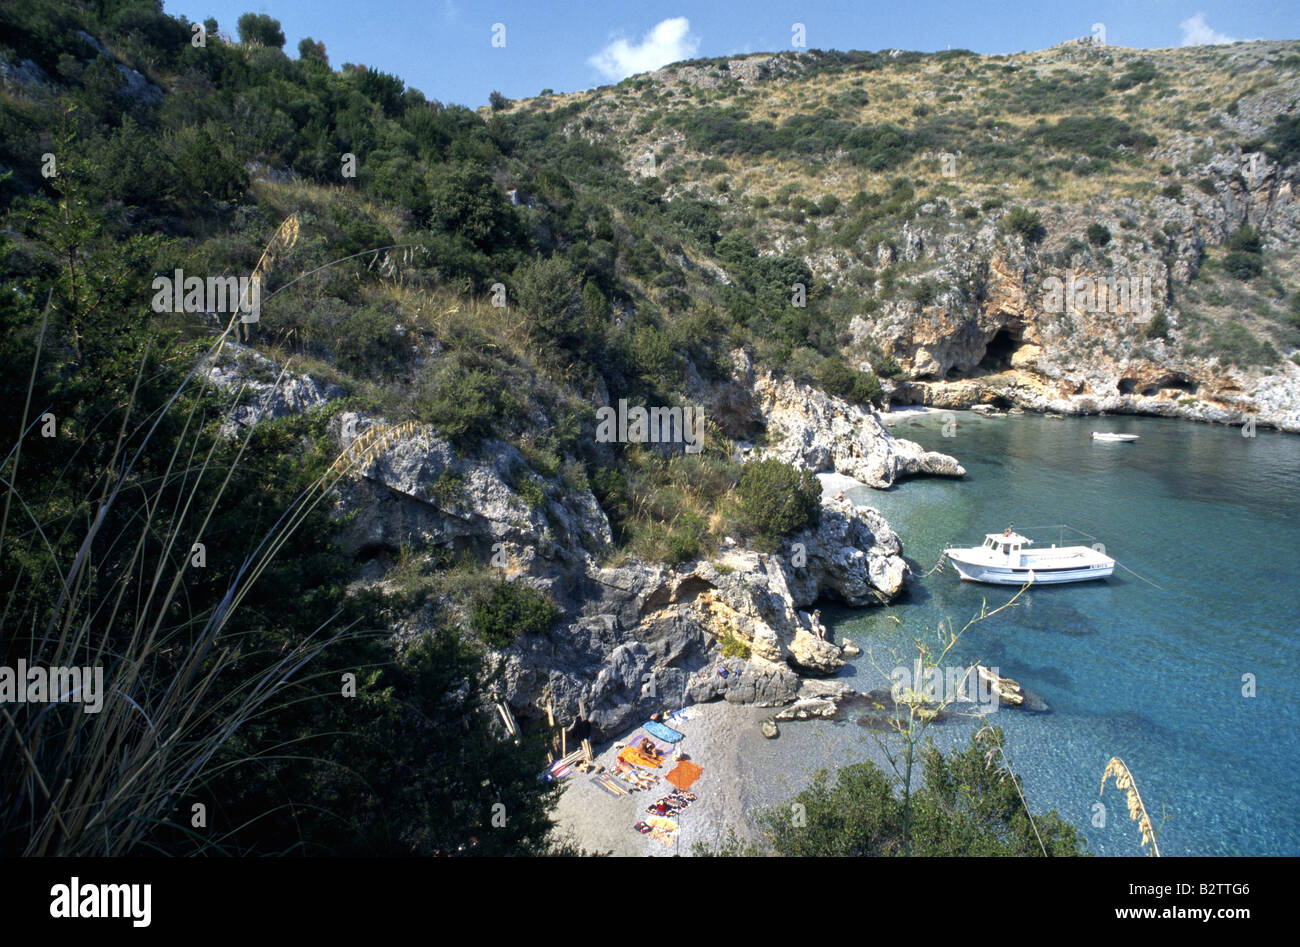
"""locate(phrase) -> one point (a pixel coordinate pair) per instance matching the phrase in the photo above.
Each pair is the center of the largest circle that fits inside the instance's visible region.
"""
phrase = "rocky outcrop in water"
(815, 431)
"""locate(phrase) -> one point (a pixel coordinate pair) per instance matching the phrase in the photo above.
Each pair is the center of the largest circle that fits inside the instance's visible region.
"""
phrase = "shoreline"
(744, 772)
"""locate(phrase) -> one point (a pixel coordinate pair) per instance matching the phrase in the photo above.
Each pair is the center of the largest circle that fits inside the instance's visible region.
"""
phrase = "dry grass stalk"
(1137, 810)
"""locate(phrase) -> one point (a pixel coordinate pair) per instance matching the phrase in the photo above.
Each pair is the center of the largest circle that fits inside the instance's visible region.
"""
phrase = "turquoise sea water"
(1152, 675)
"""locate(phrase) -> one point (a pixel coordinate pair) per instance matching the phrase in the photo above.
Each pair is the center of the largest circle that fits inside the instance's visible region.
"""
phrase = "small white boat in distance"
(1107, 436)
(1004, 559)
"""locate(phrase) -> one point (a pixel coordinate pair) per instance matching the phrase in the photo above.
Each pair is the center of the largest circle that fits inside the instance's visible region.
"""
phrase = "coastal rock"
(640, 637)
(819, 432)
(853, 555)
(810, 707)
(824, 690)
(813, 655)
(1118, 342)
(267, 393)
(418, 490)
(1010, 692)
(1006, 690)
(652, 636)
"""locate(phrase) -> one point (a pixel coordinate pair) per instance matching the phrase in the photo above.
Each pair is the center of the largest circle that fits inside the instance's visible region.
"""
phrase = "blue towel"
(656, 729)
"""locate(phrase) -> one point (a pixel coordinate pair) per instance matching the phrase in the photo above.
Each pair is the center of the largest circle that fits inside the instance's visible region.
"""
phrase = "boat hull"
(1004, 575)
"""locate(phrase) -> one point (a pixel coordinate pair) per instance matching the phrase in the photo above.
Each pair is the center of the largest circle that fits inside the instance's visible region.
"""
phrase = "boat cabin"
(1006, 543)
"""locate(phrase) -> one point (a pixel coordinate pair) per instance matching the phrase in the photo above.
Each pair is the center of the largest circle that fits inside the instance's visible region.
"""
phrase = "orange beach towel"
(684, 774)
(634, 756)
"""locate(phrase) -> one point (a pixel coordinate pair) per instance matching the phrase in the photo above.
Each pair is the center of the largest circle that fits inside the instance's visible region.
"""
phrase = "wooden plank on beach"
(507, 718)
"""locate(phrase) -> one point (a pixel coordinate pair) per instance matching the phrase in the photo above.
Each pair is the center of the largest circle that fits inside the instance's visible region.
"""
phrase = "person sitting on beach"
(649, 749)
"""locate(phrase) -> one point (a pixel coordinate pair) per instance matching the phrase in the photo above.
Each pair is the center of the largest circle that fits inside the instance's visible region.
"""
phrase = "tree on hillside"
(259, 29)
(313, 50)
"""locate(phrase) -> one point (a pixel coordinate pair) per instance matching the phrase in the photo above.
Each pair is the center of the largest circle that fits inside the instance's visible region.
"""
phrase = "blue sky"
(444, 47)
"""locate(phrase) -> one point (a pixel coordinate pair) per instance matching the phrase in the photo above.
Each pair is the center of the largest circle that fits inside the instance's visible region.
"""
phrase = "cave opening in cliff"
(1178, 383)
(997, 355)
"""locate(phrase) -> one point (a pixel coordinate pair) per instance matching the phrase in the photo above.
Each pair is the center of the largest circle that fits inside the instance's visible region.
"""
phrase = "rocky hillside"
(1080, 229)
(633, 636)
(452, 305)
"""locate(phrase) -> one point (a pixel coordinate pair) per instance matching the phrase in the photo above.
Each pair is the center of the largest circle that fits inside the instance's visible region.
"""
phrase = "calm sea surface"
(1150, 671)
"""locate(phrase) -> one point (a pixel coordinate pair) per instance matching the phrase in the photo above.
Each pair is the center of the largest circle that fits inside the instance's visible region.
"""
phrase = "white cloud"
(669, 41)
(1196, 32)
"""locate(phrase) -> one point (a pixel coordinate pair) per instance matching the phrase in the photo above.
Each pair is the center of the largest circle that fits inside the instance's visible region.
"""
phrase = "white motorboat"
(1005, 559)
(1108, 436)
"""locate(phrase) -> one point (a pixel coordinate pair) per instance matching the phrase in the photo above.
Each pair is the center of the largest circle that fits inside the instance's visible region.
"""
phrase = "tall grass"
(78, 783)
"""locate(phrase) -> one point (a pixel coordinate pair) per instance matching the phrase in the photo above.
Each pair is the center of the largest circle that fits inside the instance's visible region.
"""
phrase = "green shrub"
(686, 539)
(368, 343)
(777, 499)
(1097, 137)
(1098, 234)
(734, 646)
(260, 29)
(838, 378)
(1243, 265)
(1245, 240)
(464, 200)
(1137, 73)
(1283, 140)
(1158, 327)
(513, 609)
(1232, 342)
(1028, 224)
(965, 806)
(465, 405)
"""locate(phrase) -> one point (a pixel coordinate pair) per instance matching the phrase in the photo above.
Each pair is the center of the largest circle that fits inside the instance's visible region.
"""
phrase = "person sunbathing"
(650, 750)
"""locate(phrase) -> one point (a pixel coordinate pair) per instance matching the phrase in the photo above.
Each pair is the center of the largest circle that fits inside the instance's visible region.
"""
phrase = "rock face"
(650, 636)
(1118, 335)
(266, 393)
(634, 637)
(419, 491)
(854, 553)
(815, 431)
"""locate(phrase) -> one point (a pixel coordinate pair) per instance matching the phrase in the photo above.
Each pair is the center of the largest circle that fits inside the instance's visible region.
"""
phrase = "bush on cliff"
(841, 380)
(513, 609)
(777, 499)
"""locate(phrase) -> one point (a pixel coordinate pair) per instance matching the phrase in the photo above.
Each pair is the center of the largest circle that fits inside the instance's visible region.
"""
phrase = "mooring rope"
(943, 559)
(1065, 526)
